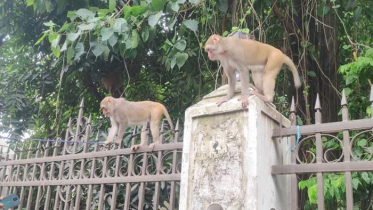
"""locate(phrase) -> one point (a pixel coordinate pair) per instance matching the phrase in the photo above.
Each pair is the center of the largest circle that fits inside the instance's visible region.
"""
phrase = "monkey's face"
(106, 105)
(105, 111)
(210, 52)
(212, 47)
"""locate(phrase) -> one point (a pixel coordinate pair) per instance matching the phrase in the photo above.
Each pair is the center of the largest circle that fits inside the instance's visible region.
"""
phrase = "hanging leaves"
(112, 4)
(106, 33)
(158, 4)
(135, 38)
(98, 47)
(191, 24)
(153, 19)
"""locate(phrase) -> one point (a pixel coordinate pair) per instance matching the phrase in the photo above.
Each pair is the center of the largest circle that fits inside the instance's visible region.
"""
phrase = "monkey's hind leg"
(269, 80)
(144, 132)
(154, 127)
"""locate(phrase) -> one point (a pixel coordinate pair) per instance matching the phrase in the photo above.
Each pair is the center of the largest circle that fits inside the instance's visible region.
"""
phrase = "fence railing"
(326, 148)
(79, 173)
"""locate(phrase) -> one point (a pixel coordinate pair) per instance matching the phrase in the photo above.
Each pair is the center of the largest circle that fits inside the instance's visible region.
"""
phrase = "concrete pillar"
(228, 153)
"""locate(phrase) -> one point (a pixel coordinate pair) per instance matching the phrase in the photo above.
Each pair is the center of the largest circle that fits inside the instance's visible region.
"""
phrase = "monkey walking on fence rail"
(123, 113)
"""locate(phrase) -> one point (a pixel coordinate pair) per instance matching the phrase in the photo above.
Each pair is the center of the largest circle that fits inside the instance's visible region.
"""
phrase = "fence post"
(228, 153)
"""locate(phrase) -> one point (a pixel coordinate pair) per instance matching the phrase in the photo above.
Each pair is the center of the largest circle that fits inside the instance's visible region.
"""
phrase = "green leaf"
(56, 41)
(175, 6)
(357, 151)
(106, 33)
(102, 12)
(130, 53)
(120, 25)
(312, 194)
(357, 13)
(311, 73)
(350, 79)
(64, 46)
(65, 26)
(365, 176)
(128, 44)
(49, 23)
(369, 111)
(180, 45)
(98, 48)
(158, 4)
(49, 6)
(73, 36)
(173, 62)
(299, 120)
(52, 36)
(56, 51)
(85, 14)
(106, 53)
(79, 50)
(134, 38)
(87, 27)
(194, 1)
(72, 15)
(140, 9)
(369, 53)
(127, 12)
(70, 53)
(362, 142)
(181, 58)
(302, 184)
(191, 24)
(153, 19)
(172, 23)
(222, 5)
(355, 183)
(30, 2)
(61, 6)
(41, 38)
(112, 4)
(113, 40)
(145, 33)
(181, 1)
(347, 91)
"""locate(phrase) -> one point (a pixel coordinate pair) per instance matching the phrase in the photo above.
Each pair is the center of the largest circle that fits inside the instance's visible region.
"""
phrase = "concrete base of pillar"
(228, 153)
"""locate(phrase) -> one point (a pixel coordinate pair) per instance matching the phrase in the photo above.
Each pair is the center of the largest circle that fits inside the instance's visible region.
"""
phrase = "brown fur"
(263, 60)
(123, 113)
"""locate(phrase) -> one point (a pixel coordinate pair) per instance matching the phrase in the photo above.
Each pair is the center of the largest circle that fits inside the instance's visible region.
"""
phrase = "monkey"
(239, 35)
(123, 113)
(263, 60)
(112, 81)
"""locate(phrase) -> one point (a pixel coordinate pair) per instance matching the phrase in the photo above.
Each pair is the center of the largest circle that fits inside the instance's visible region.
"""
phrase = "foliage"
(54, 53)
(335, 190)
(74, 44)
(357, 76)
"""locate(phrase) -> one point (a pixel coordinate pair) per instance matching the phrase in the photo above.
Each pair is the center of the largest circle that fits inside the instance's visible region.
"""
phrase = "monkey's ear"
(109, 100)
(215, 38)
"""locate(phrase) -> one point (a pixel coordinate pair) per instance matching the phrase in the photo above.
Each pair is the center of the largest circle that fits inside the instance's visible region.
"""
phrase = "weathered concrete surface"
(228, 153)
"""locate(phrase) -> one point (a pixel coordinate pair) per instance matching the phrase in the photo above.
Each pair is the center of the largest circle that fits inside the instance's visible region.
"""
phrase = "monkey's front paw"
(117, 142)
(152, 145)
(244, 101)
(106, 143)
(220, 102)
(135, 147)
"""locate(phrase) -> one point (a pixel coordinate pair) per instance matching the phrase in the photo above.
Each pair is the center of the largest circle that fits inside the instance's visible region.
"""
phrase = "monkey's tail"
(293, 69)
(168, 118)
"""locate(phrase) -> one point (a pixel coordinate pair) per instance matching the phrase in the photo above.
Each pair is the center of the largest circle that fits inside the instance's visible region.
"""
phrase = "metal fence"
(321, 148)
(79, 173)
